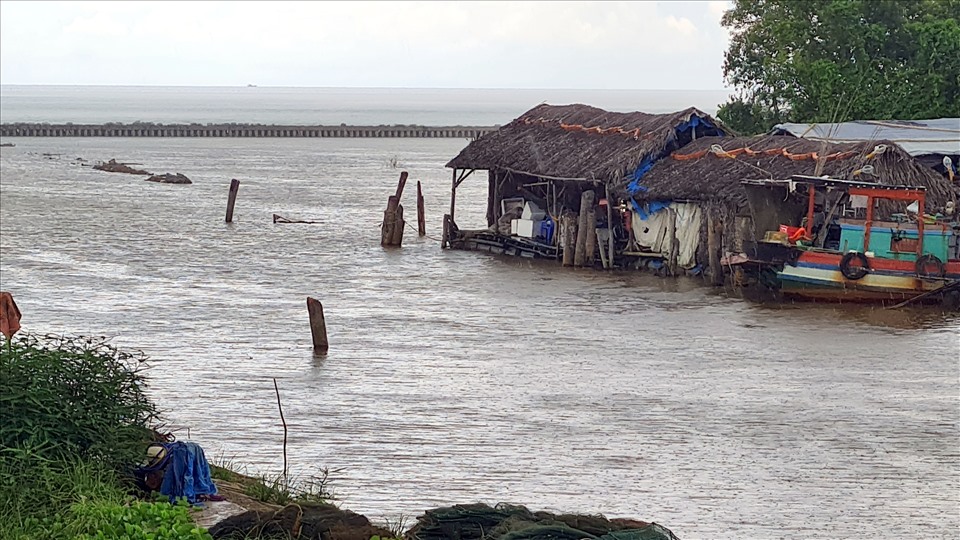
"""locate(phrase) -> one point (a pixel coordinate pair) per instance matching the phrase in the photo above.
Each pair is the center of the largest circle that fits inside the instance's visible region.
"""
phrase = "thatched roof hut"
(711, 168)
(579, 142)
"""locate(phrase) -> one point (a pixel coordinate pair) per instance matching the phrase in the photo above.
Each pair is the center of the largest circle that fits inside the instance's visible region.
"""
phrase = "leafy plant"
(74, 397)
(837, 60)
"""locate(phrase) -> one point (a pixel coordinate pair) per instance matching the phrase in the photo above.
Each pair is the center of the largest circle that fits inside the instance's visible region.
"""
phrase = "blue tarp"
(187, 474)
(634, 186)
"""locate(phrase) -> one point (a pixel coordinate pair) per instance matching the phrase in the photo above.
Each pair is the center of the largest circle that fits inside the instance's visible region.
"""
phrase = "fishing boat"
(902, 257)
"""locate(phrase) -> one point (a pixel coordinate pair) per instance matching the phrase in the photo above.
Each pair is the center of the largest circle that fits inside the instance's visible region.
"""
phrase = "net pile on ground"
(508, 522)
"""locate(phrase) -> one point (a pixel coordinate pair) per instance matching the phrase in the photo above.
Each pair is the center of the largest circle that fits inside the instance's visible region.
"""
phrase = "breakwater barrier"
(139, 129)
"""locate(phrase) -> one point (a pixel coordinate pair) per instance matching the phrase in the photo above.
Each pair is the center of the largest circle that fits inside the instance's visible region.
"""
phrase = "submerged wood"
(277, 218)
(580, 255)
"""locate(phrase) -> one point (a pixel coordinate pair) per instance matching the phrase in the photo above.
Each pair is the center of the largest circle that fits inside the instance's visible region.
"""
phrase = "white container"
(528, 228)
(533, 212)
(506, 205)
(514, 226)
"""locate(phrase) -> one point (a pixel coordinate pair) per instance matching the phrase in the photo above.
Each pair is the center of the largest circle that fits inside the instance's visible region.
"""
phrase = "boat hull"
(817, 276)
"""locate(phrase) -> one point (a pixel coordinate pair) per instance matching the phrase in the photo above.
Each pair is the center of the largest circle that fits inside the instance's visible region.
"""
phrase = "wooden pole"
(569, 229)
(580, 254)
(453, 195)
(421, 218)
(590, 248)
(672, 239)
(610, 242)
(401, 184)
(284, 422)
(318, 325)
(714, 242)
(232, 198)
(398, 224)
(389, 221)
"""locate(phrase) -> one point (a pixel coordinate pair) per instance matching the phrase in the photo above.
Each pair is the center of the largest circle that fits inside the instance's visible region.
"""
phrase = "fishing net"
(508, 522)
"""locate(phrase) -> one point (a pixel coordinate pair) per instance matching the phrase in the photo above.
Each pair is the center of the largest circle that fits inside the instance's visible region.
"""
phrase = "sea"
(457, 377)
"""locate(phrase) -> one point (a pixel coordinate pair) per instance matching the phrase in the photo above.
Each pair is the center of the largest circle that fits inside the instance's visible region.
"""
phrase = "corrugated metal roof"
(917, 137)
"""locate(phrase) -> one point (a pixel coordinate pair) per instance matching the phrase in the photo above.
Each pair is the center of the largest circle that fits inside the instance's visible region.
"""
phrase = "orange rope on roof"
(684, 157)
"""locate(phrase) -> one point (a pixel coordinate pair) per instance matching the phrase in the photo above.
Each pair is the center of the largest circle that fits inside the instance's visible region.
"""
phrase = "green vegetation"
(838, 60)
(73, 420)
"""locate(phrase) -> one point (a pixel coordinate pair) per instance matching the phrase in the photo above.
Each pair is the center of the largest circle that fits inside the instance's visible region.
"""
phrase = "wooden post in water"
(421, 218)
(580, 255)
(391, 230)
(714, 243)
(569, 229)
(672, 239)
(389, 221)
(232, 198)
(590, 249)
(318, 325)
(610, 241)
(398, 224)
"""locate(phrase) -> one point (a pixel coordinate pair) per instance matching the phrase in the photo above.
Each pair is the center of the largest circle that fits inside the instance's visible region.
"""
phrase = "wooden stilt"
(714, 239)
(610, 239)
(318, 325)
(453, 195)
(590, 249)
(580, 254)
(569, 230)
(421, 218)
(232, 199)
(672, 241)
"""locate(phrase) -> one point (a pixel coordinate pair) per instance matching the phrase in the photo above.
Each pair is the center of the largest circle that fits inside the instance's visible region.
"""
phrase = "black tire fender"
(925, 261)
(857, 272)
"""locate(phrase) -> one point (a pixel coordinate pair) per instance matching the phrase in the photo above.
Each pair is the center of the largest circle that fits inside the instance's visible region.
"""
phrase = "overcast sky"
(616, 45)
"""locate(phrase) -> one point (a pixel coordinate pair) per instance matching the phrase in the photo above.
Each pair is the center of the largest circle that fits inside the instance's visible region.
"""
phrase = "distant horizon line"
(251, 85)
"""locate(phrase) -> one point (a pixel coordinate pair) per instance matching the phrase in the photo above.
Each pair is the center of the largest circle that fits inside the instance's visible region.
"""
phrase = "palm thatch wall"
(716, 177)
(583, 142)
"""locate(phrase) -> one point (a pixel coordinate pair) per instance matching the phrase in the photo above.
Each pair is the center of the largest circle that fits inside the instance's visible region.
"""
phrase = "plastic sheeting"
(651, 232)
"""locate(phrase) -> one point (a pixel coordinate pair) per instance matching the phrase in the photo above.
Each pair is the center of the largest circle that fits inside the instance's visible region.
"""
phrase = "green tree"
(838, 60)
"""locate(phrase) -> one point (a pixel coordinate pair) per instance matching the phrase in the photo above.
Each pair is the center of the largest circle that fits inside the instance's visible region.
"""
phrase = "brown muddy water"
(455, 377)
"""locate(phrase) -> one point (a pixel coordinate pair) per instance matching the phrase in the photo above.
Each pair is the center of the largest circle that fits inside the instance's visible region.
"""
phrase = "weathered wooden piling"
(714, 241)
(391, 231)
(672, 243)
(318, 325)
(610, 239)
(580, 255)
(590, 249)
(232, 199)
(421, 217)
(568, 226)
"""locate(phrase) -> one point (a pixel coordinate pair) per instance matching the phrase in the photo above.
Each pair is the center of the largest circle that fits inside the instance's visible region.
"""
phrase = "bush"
(76, 398)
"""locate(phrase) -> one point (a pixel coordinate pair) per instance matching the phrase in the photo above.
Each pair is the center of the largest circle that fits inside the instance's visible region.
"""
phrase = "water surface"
(455, 377)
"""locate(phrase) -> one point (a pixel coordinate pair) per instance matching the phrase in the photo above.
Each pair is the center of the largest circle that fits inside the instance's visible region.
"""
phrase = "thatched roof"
(580, 142)
(696, 173)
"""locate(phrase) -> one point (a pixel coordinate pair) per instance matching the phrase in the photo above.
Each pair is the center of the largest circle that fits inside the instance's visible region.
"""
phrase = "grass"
(73, 420)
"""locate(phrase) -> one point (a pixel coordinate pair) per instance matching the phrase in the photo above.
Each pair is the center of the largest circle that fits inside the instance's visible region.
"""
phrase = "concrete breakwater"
(139, 129)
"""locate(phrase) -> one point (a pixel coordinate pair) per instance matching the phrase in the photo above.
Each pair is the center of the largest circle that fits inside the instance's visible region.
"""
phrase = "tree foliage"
(838, 60)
